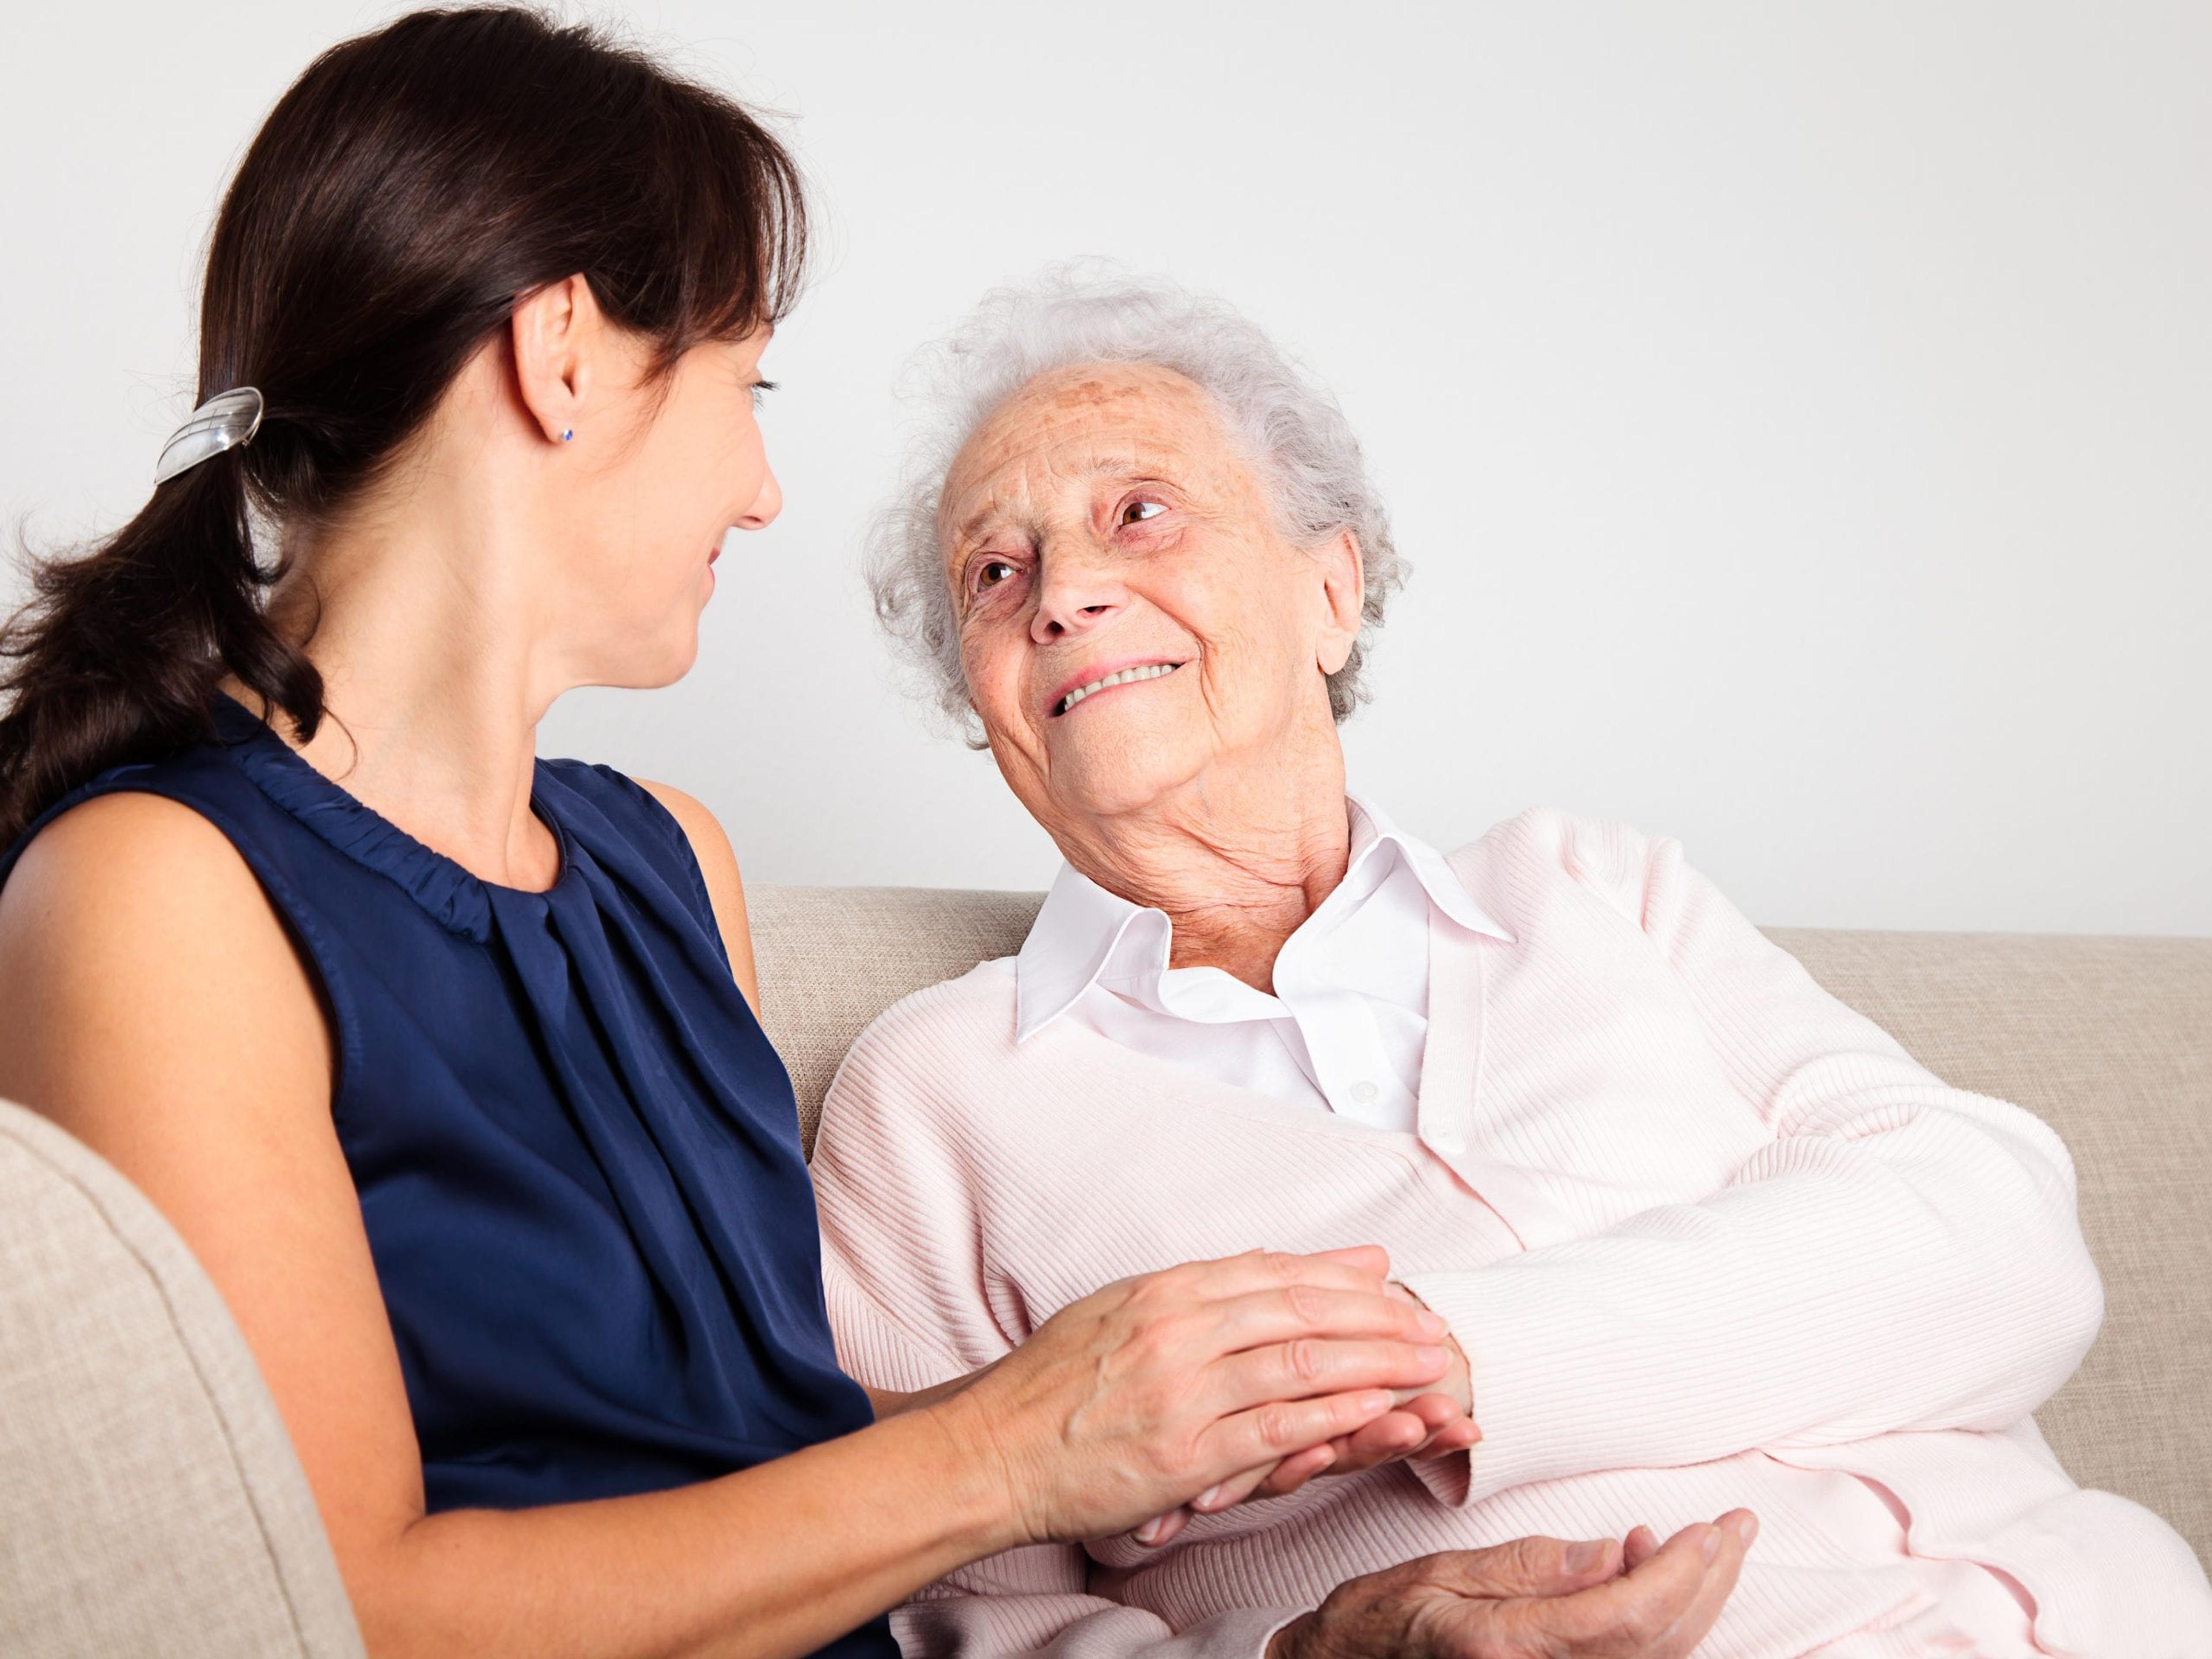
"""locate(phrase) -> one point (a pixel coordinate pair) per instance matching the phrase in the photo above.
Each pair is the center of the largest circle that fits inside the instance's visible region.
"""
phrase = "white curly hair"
(1289, 424)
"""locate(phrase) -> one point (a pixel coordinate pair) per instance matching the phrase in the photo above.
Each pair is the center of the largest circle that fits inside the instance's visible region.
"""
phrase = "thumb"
(1533, 1566)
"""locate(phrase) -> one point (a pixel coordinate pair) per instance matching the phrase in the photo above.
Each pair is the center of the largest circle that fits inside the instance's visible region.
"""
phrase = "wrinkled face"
(1130, 615)
(660, 478)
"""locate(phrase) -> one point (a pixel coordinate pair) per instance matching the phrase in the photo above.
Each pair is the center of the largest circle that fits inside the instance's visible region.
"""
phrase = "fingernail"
(1149, 1531)
(1205, 1499)
(1582, 1557)
(1431, 1324)
(1747, 1528)
(1430, 1356)
(1711, 1544)
(1376, 1401)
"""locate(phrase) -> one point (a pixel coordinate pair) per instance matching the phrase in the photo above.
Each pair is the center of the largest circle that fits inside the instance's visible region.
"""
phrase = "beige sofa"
(149, 1503)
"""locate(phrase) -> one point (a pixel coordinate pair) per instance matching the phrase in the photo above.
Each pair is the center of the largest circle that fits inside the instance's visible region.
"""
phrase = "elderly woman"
(1705, 1237)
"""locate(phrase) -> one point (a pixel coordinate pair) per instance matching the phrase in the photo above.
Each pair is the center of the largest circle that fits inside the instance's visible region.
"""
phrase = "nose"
(1075, 593)
(766, 505)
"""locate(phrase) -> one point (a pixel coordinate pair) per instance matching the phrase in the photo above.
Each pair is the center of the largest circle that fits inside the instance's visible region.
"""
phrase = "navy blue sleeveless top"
(578, 1157)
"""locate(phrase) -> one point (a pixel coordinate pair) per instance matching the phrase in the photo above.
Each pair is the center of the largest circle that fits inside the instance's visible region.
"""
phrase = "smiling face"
(1133, 621)
(654, 484)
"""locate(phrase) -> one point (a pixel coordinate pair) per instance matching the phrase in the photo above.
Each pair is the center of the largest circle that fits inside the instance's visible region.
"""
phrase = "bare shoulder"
(133, 936)
(726, 887)
(119, 851)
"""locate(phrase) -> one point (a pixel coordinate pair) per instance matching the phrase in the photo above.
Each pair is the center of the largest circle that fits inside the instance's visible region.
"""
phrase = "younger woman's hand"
(1428, 1425)
(1129, 1403)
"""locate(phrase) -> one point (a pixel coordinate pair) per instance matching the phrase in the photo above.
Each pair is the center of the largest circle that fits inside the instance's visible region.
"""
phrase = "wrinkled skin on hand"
(1534, 1598)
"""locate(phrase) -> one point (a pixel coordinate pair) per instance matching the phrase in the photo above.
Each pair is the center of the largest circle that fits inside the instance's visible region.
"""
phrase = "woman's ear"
(1344, 596)
(559, 334)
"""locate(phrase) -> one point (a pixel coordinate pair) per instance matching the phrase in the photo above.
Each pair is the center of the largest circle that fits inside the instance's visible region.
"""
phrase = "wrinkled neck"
(1238, 858)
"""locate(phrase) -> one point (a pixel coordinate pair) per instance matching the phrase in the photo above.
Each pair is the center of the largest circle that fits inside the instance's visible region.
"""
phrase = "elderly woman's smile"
(1091, 682)
(1130, 611)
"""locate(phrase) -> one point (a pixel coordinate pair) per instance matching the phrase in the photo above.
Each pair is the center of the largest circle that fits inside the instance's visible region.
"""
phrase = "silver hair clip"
(223, 421)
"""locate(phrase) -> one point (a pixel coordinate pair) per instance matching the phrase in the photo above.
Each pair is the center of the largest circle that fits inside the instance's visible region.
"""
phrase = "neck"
(1238, 857)
(423, 628)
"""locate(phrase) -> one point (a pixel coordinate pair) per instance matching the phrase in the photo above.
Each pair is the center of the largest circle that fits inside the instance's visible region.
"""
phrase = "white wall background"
(1799, 417)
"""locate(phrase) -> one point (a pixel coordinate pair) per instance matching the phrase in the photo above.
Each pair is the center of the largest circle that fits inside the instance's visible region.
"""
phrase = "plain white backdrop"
(1799, 418)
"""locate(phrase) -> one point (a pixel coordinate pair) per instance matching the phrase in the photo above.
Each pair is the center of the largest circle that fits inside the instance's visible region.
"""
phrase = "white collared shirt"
(1346, 1026)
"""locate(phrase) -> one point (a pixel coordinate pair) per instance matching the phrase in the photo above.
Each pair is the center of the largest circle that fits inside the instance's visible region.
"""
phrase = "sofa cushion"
(151, 1503)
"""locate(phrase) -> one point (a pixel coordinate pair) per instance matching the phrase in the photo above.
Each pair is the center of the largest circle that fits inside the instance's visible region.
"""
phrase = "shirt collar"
(1445, 891)
(1082, 930)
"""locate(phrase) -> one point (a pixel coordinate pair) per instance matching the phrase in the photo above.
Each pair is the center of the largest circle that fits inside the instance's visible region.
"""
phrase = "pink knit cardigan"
(1708, 1236)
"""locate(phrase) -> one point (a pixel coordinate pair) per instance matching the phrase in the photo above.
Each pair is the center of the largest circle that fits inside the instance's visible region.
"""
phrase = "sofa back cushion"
(2109, 1041)
(149, 1501)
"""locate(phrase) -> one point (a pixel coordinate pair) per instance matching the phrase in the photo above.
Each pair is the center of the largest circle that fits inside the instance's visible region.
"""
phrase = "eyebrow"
(1100, 467)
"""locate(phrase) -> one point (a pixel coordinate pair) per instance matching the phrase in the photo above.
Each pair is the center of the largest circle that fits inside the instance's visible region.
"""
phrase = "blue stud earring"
(568, 434)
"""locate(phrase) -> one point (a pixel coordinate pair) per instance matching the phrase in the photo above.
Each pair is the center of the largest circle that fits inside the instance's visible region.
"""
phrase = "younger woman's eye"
(760, 387)
(1139, 512)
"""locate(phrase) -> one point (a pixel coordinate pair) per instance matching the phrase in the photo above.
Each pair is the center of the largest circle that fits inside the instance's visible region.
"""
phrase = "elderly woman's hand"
(1128, 1403)
(1534, 1598)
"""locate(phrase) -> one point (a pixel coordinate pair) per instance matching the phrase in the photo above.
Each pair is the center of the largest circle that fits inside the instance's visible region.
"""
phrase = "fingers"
(1293, 1472)
(1736, 1529)
(1393, 1435)
(1310, 1366)
(1541, 1567)
(1642, 1545)
(1269, 1432)
(1283, 1313)
(1659, 1610)
(1161, 1529)
(1364, 1258)
(1365, 1269)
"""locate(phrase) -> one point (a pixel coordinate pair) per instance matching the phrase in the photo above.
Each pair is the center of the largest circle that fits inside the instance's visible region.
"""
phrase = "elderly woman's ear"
(1344, 587)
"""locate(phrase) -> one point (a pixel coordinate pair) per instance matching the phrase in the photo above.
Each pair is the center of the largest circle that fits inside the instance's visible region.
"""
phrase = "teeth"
(1150, 671)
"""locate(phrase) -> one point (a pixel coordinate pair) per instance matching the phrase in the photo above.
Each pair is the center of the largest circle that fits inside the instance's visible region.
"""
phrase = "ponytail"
(116, 659)
(403, 194)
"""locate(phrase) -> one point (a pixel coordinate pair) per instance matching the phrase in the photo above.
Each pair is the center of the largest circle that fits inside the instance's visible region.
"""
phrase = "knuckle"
(1305, 1360)
(1306, 1303)
(1277, 1424)
(1284, 1268)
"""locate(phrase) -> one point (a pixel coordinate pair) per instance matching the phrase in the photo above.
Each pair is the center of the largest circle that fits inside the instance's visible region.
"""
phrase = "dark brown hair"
(406, 192)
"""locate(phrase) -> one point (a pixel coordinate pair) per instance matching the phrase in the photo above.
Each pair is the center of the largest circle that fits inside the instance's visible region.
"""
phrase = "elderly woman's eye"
(991, 572)
(1137, 512)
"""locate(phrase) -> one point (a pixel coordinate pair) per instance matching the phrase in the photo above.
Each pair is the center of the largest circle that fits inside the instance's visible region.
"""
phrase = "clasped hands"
(1422, 1422)
(1249, 1376)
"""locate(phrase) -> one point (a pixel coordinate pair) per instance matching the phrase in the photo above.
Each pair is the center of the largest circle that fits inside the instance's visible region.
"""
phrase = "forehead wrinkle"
(1032, 431)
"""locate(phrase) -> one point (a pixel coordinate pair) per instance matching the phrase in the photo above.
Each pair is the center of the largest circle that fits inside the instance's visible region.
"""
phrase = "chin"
(1117, 775)
(648, 667)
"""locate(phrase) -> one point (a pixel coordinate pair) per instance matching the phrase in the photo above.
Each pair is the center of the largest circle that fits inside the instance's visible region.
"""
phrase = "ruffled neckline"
(456, 899)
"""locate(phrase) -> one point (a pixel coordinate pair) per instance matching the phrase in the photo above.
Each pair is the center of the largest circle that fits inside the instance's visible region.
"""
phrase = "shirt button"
(1449, 1142)
(1364, 1092)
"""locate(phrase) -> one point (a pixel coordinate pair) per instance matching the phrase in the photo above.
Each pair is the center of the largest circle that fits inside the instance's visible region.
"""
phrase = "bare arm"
(152, 1003)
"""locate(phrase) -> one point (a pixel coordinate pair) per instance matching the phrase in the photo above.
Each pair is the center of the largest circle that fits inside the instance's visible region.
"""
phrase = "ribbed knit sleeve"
(896, 1189)
(1899, 1255)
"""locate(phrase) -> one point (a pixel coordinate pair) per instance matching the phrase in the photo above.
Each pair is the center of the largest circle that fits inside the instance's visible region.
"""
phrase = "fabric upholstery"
(2109, 1041)
(149, 1501)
